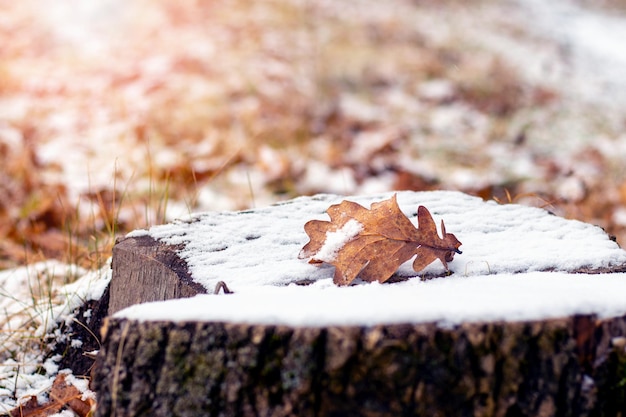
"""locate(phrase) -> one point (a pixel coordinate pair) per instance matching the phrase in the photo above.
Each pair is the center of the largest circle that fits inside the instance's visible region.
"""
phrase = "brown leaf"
(67, 395)
(27, 409)
(62, 394)
(372, 244)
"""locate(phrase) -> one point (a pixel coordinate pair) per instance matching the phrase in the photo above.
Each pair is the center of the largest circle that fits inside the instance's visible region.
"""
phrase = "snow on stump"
(531, 321)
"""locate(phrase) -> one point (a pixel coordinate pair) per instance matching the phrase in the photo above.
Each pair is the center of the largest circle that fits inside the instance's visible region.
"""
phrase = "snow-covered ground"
(557, 45)
(591, 44)
(35, 304)
(85, 144)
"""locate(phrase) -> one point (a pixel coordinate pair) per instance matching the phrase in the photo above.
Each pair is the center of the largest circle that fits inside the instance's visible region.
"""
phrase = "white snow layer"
(337, 239)
(497, 277)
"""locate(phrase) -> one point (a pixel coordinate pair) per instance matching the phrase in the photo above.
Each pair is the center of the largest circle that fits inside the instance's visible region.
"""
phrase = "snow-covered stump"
(512, 332)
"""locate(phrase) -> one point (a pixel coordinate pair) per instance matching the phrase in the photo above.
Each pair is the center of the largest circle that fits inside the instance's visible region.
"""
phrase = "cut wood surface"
(496, 338)
(145, 269)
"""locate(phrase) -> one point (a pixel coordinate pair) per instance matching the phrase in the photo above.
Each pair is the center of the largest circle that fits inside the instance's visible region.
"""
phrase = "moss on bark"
(495, 369)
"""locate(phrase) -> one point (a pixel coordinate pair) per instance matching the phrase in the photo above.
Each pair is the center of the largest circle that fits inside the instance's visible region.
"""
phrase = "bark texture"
(146, 270)
(566, 367)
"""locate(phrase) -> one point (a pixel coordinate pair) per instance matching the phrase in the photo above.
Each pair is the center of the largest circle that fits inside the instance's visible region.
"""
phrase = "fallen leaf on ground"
(372, 244)
(62, 395)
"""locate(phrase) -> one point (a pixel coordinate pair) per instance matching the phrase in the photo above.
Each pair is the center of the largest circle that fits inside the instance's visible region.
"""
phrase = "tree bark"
(565, 367)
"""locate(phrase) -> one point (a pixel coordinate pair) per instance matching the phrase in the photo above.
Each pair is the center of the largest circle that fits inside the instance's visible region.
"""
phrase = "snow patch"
(591, 42)
(498, 277)
(337, 239)
(447, 301)
(31, 302)
(260, 247)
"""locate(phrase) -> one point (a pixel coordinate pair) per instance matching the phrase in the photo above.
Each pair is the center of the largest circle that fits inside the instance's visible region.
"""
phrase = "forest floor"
(120, 115)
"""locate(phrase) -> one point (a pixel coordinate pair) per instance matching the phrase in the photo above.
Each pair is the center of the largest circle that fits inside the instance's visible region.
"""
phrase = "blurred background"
(121, 114)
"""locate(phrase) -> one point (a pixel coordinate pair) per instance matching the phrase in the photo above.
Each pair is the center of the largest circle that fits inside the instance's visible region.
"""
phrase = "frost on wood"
(372, 244)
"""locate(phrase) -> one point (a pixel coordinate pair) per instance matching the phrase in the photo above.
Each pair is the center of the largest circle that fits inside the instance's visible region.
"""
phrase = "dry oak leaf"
(372, 244)
(62, 395)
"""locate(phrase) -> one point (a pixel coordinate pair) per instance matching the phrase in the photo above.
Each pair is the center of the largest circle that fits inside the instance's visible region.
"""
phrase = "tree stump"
(476, 343)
